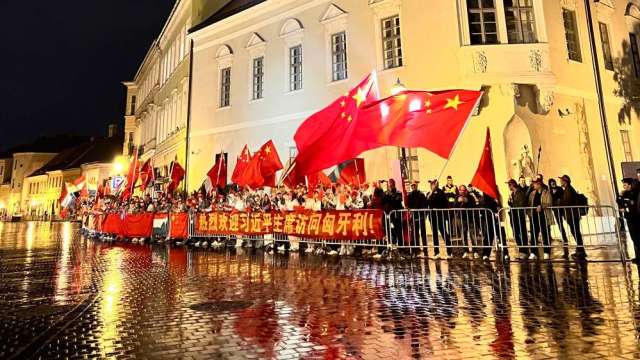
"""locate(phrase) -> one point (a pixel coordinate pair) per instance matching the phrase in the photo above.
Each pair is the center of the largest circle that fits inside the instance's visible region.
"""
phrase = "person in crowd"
(556, 194)
(541, 218)
(465, 200)
(392, 200)
(517, 215)
(489, 226)
(573, 213)
(450, 191)
(438, 205)
(417, 203)
(629, 205)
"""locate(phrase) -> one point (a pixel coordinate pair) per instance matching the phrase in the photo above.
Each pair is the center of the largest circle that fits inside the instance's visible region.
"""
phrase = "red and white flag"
(217, 176)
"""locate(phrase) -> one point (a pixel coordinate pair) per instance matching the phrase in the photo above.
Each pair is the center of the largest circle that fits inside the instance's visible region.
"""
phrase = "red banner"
(339, 225)
(138, 225)
(178, 228)
(113, 224)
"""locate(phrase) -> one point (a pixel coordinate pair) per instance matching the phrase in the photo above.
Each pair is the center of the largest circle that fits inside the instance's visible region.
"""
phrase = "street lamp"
(396, 89)
(119, 165)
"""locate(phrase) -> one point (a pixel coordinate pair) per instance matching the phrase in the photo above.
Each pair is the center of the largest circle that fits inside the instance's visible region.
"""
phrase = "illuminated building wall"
(538, 83)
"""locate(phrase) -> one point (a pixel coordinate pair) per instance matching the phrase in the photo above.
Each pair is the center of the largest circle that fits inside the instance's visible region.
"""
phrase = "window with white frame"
(391, 42)
(520, 19)
(225, 87)
(295, 68)
(339, 56)
(258, 78)
(571, 35)
(626, 145)
(483, 26)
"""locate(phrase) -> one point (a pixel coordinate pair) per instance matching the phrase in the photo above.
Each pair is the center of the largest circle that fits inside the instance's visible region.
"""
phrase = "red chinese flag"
(350, 173)
(146, 175)
(218, 173)
(331, 136)
(132, 176)
(322, 121)
(485, 176)
(318, 178)
(241, 164)
(177, 174)
(291, 178)
(252, 175)
(430, 120)
(269, 164)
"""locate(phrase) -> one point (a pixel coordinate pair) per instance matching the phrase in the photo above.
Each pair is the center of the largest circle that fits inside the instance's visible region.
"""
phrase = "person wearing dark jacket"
(417, 203)
(438, 205)
(518, 218)
(556, 195)
(392, 200)
(464, 200)
(629, 204)
(541, 218)
(572, 215)
(489, 225)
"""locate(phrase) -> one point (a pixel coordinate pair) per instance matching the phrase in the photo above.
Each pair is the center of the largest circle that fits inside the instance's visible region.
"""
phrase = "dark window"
(571, 35)
(225, 87)
(606, 46)
(391, 42)
(635, 56)
(133, 104)
(295, 68)
(483, 28)
(258, 77)
(521, 24)
(339, 56)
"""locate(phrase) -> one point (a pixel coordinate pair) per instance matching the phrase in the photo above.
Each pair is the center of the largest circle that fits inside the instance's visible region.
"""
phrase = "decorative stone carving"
(545, 98)
(535, 60)
(480, 62)
(568, 4)
(586, 155)
(524, 166)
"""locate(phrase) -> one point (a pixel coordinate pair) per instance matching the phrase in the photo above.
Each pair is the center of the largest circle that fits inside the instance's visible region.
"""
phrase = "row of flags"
(335, 136)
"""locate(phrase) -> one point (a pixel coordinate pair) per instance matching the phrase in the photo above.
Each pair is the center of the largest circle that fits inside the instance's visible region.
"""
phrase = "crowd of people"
(535, 205)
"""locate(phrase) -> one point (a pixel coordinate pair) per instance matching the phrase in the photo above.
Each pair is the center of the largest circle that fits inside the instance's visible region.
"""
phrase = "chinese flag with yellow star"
(430, 120)
(324, 139)
(241, 164)
(261, 169)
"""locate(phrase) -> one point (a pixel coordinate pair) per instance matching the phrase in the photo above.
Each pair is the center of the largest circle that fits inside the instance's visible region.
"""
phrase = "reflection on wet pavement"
(65, 296)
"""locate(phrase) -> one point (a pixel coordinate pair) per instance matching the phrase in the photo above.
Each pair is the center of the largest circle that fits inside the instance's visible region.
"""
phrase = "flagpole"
(135, 160)
(455, 145)
(355, 161)
(220, 161)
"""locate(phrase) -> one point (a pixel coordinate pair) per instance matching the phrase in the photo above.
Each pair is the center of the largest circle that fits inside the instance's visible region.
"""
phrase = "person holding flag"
(217, 175)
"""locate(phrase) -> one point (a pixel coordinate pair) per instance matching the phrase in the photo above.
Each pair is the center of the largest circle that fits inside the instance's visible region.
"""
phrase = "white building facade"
(157, 98)
(259, 72)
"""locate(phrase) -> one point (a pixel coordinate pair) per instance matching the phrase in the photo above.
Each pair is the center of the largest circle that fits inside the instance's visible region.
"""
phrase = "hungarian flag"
(350, 172)
(217, 176)
(68, 196)
(241, 164)
(177, 175)
(430, 120)
(147, 176)
(329, 137)
(485, 176)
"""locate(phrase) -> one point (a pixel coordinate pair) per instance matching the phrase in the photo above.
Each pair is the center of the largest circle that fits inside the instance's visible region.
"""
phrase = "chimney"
(112, 130)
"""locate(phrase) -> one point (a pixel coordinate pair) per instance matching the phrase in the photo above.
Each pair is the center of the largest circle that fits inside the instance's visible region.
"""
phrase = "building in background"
(92, 159)
(157, 98)
(260, 67)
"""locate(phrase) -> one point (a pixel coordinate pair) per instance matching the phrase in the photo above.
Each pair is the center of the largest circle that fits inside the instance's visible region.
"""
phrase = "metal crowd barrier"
(518, 232)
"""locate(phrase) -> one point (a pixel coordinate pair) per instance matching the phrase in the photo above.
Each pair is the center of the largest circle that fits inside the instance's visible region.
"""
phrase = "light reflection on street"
(110, 304)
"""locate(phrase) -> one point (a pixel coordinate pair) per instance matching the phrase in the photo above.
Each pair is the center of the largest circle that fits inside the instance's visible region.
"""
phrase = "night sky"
(63, 63)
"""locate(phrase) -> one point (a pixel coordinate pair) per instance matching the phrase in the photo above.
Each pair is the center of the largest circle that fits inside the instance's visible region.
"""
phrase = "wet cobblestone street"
(63, 296)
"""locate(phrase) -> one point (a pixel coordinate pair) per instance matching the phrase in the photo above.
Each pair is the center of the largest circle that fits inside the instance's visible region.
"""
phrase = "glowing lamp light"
(34, 203)
(397, 88)
(1, 205)
(119, 164)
